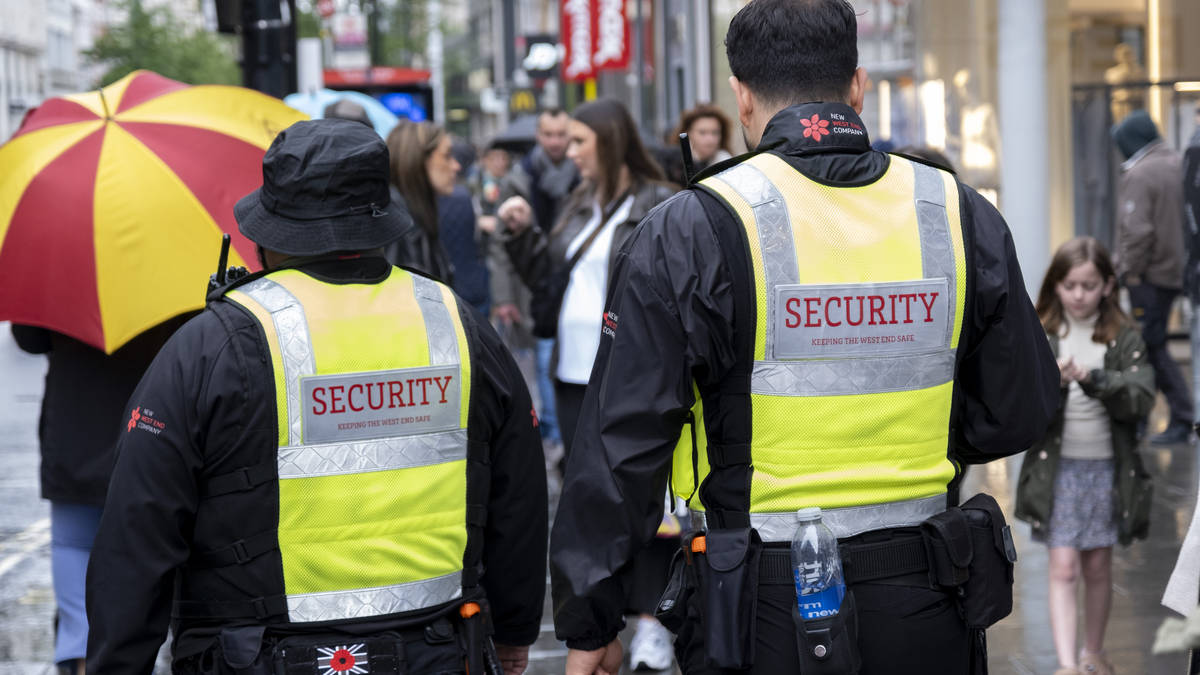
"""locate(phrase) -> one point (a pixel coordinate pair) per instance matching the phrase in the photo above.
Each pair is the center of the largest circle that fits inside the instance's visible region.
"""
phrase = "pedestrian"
(620, 185)
(545, 179)
(334, 466)
(752, 358)
(1082, 486)
(709, 133)
(1150, 253)
(460, 235)
(1191, 282)
(422, 169)
(84, 397)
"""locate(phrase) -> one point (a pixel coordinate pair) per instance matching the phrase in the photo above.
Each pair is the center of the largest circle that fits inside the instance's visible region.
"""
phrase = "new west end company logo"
(815, 127)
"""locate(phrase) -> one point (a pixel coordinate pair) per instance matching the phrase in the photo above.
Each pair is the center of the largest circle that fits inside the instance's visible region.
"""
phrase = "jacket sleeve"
(1007, 385)
(1128, 391)
(530, 254)
(514, 547)
(666, 319)
(1136, 233)
(146, 528)
(1191, 208)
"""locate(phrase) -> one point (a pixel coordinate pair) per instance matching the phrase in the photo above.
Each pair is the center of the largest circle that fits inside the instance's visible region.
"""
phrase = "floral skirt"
(1083, 513)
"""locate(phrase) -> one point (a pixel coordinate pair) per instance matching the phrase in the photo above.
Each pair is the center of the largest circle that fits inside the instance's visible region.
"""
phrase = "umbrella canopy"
(314, 104)
(112, 202)
(519, 136)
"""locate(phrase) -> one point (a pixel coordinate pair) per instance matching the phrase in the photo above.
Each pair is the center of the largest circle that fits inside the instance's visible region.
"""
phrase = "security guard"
(812, 324)
(335, 468)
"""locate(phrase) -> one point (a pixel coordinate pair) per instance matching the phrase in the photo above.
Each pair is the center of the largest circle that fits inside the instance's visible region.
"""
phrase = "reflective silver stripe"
(937, 244)
(774, 232)
(837, 377)
(384, 454)
(366, 602)
(443, 343)
(295, 345)
(845, 522)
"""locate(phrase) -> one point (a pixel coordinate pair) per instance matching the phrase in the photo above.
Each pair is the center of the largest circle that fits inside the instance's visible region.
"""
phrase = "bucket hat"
(325, 189)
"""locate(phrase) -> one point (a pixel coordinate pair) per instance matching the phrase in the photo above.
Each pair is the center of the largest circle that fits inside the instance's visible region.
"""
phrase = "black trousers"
(1151, 308)
(902, 630)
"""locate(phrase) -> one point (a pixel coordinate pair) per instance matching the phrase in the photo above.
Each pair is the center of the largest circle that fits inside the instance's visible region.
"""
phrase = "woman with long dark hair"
(422, 169)
(620, 184)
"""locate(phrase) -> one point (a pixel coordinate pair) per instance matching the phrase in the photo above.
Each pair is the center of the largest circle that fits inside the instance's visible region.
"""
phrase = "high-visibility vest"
(372, 388)
(860, 297)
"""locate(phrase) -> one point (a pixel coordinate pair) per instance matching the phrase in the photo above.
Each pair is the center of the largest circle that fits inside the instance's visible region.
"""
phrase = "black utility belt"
(965, 550)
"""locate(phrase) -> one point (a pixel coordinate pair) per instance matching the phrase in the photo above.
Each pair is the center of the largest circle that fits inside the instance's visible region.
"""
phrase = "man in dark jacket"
(334, 464)
(784, 430)
(1191, 282)
(1150, 253)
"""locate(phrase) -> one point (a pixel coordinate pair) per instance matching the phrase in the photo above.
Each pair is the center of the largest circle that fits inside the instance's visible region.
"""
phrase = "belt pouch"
(728, 577)
(671, 610)
(949, 547)
(241, 651)
(987, 594)
(829, 645)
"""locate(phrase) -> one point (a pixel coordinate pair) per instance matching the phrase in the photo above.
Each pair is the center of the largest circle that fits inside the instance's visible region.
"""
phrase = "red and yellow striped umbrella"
(112, 202)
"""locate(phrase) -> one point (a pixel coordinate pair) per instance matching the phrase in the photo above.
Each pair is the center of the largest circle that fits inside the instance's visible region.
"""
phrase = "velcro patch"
(874, 319)
(380, 403)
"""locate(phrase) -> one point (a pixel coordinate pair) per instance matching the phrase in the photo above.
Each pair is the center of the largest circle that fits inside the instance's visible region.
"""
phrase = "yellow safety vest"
(860, 295)
(372, 386)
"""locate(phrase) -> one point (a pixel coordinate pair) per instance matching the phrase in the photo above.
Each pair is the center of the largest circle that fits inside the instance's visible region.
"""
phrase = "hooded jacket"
(671, 321)
(1150, 236)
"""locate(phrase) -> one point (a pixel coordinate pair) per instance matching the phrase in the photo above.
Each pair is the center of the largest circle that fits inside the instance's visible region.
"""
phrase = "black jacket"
(671, 320)
(1191, 210)
(85, 394)
(211, 391)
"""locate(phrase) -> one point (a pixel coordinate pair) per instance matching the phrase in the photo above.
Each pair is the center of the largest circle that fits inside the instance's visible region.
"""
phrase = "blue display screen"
(405, 105)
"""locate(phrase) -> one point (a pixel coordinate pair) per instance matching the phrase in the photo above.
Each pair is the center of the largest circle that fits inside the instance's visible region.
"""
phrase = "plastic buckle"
(1010, 547)
(240, 554)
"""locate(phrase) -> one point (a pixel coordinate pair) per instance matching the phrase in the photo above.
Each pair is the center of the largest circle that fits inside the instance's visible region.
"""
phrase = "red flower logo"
(342, 660)
(133, 419)
(815, 128)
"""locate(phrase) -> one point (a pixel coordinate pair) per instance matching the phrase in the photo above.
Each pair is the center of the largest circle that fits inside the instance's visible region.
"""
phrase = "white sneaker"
(652, 646)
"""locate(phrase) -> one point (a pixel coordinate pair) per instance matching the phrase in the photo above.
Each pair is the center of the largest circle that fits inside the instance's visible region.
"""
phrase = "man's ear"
(745, 100)
(858, 89)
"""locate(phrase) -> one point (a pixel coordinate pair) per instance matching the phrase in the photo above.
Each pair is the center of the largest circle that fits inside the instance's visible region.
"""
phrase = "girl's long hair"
(409, 145)
(1078, 251)
(617, 145)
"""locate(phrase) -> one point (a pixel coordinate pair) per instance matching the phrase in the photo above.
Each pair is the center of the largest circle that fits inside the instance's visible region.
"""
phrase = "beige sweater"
(1086, 432)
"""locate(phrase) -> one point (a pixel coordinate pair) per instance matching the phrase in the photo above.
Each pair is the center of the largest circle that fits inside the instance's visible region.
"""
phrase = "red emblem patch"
(133, 419)
(815, 128)
(343, 659)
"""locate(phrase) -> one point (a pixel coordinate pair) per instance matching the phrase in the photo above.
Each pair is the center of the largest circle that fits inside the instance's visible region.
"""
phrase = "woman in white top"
(1083, 487)
(620, 184)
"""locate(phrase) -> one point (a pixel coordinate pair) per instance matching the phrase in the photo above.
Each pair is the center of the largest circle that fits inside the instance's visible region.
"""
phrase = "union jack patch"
(340, 660)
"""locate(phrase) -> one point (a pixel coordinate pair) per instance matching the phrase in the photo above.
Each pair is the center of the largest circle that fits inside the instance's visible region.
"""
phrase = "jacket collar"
(816, 127)
(1141, 153)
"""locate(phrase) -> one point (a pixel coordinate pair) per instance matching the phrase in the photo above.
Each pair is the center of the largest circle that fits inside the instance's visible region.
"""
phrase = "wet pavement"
(1018, 645)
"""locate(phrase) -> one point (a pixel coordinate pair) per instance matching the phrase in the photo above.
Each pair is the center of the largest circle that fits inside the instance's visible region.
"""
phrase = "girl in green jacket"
(1083, 488)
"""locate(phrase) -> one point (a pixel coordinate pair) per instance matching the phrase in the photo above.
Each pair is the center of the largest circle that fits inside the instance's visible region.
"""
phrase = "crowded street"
(1018, 645)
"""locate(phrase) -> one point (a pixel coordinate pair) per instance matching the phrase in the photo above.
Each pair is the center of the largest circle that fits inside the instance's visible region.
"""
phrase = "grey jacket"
(1150, 242)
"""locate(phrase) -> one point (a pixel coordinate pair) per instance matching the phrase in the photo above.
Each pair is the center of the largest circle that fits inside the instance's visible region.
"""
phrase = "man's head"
(783, 52)
(325, 189)
(1134, 133)
(552, 133)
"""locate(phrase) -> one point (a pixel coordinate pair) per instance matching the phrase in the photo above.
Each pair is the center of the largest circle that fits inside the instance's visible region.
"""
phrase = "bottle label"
(821, 604)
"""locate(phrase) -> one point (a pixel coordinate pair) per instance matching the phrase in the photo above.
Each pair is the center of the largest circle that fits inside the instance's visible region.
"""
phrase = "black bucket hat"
(325, 189)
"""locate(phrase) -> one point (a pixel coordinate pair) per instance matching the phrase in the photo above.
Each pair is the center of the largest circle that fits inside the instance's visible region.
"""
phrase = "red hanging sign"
(596, 36)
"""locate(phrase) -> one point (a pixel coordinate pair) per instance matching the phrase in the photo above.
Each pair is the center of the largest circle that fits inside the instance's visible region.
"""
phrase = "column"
(1025, 166)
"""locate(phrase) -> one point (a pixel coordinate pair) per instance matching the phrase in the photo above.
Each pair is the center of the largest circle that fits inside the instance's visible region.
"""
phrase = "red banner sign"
(596, 36)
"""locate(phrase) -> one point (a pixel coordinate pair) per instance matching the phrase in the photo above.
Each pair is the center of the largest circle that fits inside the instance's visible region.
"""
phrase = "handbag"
(546, 300)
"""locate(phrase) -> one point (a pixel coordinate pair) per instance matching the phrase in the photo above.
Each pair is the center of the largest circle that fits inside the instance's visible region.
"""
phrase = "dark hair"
(689, 117)
(617, 144)
(409, 145)
(1078, 251)
(549, 112)
(794, 51)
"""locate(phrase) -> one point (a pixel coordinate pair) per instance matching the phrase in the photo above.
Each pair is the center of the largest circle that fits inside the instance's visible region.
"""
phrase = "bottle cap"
(807, 514)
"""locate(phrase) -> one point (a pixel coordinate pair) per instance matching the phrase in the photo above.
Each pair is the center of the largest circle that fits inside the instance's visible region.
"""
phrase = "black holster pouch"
(829, 646)
(672, 607)
(987, 594)
(727, 573)
(971, 549)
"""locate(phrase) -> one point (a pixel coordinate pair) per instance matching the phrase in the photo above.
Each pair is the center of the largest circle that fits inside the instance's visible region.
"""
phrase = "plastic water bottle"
(816, 566)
